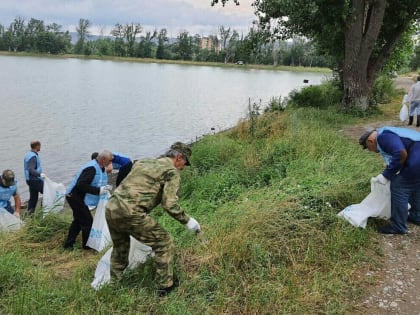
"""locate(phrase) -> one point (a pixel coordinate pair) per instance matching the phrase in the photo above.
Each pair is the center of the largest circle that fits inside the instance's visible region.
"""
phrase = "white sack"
(53, 196)
(376, 204)
(8, 222)
(99, 236)
(138, 254)
(404, 113)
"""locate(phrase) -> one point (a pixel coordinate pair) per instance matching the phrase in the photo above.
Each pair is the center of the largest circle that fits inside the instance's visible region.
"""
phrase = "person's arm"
(170, 197)
(32, 167)
(18, 204)
(392, 145)
(84, 182)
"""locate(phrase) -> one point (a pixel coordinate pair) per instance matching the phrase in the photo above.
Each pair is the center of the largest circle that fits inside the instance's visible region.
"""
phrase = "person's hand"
(193, 225)
(43, 175)
(17, 214)
(381, 179)
(104, 189)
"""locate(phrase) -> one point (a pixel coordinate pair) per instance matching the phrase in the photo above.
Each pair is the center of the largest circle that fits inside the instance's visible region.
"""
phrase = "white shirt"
(414, 94)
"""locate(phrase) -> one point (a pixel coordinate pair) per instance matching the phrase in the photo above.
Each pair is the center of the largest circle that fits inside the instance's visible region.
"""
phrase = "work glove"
(105, 189)
(42, 175)
(193, 225)
(381, 179)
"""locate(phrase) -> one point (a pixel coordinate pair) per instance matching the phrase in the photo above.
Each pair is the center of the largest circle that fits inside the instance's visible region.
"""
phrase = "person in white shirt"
(414, 98)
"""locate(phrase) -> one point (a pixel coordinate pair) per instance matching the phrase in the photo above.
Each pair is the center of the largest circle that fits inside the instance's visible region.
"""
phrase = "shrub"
(320, 96)
(383, 90)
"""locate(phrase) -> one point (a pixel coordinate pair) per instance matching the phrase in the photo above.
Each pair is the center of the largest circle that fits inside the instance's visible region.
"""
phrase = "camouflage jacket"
(150, 182)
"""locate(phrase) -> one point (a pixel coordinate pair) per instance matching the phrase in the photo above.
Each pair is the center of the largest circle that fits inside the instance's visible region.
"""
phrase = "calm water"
(75, 107)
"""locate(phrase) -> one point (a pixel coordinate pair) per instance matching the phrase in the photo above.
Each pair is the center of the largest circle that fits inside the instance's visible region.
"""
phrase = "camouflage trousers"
(147, 230)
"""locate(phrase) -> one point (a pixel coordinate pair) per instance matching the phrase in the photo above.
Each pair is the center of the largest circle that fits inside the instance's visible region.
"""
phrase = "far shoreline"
(176, 62)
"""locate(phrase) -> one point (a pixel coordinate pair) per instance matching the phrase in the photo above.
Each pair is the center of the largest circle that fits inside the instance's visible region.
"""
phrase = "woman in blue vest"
(83, 193)
(33, 175)
(8, 188)
(400, 148)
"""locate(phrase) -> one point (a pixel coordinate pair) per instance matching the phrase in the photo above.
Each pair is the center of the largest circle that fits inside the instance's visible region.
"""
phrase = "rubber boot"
(410, 120)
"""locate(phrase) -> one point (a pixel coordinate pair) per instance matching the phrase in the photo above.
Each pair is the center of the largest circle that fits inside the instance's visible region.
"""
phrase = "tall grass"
(267, 202)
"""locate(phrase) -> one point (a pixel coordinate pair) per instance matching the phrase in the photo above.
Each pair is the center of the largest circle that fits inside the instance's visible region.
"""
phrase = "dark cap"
(184, 149)
(363, 138)
(8, 177)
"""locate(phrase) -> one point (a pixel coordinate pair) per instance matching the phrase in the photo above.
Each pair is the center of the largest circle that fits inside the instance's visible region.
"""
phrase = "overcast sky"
(195, 16)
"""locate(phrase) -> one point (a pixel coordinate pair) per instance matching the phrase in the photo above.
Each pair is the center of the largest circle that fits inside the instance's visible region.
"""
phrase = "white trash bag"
(404, 109)
(99, 236)
(53, 196)
(376, 204)
(8, 222)
(138, 255)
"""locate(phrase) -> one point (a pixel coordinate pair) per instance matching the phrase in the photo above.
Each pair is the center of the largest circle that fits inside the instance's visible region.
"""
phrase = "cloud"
(195, 16)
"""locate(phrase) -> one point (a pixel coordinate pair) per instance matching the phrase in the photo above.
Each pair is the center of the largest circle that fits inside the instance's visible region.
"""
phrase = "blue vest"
(100, 179)
(6, 193)
(402, 133)
(29, 156)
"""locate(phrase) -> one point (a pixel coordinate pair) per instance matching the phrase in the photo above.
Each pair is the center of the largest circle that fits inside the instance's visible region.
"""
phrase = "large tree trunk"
(360, 36)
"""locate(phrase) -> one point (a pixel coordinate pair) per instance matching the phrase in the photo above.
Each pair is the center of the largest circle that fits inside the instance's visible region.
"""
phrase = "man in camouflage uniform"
(150, 182)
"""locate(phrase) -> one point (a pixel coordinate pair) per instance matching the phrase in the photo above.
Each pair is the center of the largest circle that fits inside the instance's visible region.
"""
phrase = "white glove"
(42, 175)
(193, 225)
(17, 214)
(104, 190)
(380, 179)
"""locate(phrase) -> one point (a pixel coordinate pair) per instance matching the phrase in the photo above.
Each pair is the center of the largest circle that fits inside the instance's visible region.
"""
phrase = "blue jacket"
(390, 142)
(119, 160)
(38, 169)
(6, 193)
(100, 179)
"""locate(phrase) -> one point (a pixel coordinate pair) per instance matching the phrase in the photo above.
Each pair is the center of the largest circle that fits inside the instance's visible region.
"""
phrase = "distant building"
(210, 43)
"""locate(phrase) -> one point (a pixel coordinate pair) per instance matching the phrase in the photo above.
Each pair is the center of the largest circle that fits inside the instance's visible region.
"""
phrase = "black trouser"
(36, 186)
(411, 118)
(82, 221)
(123, 172)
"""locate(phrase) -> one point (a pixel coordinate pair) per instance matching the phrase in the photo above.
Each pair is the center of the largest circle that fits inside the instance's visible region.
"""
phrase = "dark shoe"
(87, 248)
(412, 221)
(162, 292)
(388, 229)
(68, 245)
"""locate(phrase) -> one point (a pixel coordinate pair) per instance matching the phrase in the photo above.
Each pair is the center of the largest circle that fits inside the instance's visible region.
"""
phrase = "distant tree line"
(130, 40)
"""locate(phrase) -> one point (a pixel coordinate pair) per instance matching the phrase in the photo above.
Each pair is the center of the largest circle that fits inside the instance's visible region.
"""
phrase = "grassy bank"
(178, 62)
(268, 205)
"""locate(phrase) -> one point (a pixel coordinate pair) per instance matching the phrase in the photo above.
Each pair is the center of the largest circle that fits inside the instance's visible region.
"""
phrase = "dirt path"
(396, 289)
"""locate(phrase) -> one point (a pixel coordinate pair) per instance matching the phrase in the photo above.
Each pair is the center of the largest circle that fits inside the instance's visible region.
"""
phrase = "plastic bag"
(376, 204)
(404, 113)
(99, 236)
(8, 222)
(138, 255)
(53, 196)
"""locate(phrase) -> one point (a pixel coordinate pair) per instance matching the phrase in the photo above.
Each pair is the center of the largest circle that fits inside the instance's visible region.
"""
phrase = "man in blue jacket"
(121, 163)
(33, 175)
(400, 148)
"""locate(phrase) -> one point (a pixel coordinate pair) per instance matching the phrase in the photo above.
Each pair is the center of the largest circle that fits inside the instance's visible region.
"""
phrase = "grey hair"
(104, 154)
(172, 153)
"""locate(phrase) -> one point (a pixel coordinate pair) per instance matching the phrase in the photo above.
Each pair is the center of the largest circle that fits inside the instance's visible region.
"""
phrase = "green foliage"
(319, 96)
(383, 90)
(12, 272)
(268, 204)
(46, 229)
